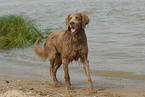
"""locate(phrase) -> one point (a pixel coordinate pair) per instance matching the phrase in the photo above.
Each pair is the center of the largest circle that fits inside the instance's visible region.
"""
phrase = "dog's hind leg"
(53, 79)
(58, 63)
(52, 57)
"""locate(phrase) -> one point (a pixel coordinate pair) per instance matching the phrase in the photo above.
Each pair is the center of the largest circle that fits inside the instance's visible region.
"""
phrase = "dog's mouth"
(73, 28)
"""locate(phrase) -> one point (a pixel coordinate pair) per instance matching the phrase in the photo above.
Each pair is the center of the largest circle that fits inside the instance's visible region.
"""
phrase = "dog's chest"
(74, 54)
(75, 51)
(74, 46)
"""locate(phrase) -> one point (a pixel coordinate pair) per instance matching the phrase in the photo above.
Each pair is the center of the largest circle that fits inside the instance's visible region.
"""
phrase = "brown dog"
(62, 47)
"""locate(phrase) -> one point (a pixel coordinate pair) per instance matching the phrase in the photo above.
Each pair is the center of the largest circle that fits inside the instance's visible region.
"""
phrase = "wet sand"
(118, 74)
(36, 88)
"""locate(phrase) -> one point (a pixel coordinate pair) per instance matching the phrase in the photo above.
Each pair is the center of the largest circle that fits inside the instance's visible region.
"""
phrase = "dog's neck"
(79, 37)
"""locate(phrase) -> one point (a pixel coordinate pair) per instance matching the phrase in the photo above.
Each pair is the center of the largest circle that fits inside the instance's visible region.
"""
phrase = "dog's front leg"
(65, 63)
(87, 71)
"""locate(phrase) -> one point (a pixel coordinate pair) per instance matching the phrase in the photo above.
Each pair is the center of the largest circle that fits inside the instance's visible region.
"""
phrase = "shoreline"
(36, 88)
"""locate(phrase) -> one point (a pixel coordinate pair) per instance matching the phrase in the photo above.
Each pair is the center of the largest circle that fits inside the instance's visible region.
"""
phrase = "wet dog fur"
(62, 47)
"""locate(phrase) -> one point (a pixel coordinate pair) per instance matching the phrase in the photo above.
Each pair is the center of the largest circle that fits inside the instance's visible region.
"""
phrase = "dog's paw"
(69, 87)
(55, 83)
(92, 91)
(58, 83)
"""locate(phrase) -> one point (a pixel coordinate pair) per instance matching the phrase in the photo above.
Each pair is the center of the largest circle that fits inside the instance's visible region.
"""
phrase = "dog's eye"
(70, 18)
(77, 18)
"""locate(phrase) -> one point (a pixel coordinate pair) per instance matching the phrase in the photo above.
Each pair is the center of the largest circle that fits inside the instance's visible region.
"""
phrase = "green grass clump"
(18, 31)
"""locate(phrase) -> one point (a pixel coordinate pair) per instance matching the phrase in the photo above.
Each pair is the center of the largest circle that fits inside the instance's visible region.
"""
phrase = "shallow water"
(116, 38)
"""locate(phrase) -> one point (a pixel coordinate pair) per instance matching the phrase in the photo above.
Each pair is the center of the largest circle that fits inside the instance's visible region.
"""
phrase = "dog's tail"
(41, 52)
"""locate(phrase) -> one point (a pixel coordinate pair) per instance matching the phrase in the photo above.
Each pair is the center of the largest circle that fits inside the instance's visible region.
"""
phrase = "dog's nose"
(72, 23)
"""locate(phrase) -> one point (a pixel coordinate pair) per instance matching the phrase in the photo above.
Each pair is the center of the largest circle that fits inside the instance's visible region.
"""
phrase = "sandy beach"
(14, 87)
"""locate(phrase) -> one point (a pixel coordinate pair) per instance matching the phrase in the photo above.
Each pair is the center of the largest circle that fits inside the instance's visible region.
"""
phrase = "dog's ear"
(67, 20)
(85, 20)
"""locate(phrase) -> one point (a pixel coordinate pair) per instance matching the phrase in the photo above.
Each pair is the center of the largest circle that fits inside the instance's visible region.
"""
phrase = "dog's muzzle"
(73, 27)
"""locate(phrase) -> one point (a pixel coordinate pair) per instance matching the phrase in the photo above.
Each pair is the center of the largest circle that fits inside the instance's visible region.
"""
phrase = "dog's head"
(75, 21)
